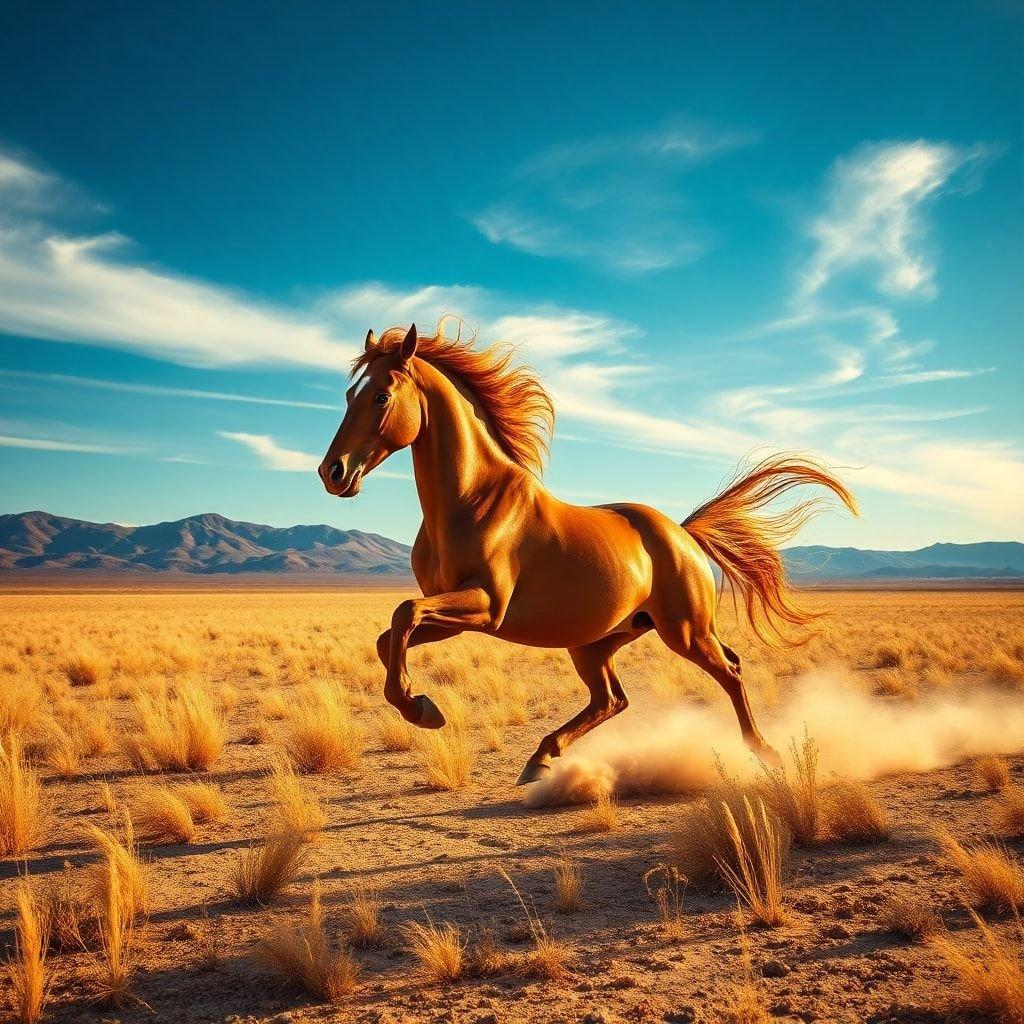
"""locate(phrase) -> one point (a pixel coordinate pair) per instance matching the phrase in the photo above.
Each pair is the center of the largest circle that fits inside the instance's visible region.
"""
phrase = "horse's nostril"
(335, 471)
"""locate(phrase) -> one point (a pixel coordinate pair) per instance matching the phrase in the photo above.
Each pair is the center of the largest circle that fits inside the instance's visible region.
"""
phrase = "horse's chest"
(443, 564)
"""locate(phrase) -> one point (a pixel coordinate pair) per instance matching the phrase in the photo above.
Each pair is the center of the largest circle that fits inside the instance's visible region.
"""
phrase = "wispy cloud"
(288, 460)
(47, 444)
(874, 216)
(616, 201)
(273, 455)
(129, 387)
(90, 289)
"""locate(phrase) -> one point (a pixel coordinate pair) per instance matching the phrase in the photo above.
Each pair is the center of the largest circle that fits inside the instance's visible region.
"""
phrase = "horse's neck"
(458, 465)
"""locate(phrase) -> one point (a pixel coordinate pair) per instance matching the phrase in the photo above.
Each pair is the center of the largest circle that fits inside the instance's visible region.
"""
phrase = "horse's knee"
(384, 647)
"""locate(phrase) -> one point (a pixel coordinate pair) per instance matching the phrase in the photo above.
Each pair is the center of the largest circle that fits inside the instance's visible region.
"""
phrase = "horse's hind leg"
(723, 665)
(596, 667)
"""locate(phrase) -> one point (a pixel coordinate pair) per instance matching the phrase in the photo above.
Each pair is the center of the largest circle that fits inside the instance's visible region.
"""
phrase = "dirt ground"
(435, 854)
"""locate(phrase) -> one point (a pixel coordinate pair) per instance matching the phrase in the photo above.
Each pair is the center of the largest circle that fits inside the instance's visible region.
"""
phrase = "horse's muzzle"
(338, 480)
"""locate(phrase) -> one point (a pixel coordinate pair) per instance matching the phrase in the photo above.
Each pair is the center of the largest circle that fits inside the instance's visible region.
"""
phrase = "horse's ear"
(371, 340)
(409, 344)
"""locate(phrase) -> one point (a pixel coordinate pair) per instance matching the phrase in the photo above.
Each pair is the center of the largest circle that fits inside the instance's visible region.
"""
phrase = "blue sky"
(710, 227)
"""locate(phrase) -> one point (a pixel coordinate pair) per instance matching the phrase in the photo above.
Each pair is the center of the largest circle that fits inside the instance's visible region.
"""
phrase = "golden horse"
(497, 553)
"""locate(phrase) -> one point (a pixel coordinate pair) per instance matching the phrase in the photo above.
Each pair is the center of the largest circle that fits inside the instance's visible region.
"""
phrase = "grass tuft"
(754, 872)
(440, 951)
(176, 731)
(992, 875)
(21, 800)
(853, 814)
(568, 886)
(990, 985)
(28, 973)
(302, 955)
(265, 870)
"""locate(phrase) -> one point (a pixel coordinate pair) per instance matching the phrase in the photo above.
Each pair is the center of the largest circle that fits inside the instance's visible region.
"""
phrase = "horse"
(498, 554)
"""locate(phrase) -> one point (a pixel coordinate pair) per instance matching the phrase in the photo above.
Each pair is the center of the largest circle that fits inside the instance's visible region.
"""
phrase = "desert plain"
(211, 814)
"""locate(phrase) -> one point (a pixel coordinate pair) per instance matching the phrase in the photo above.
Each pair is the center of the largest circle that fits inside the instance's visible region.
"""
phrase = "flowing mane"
(519, 411)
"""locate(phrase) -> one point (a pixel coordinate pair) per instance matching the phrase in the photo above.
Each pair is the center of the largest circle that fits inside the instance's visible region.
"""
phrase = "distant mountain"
(38, 541)
(988, 560)
(200, 544)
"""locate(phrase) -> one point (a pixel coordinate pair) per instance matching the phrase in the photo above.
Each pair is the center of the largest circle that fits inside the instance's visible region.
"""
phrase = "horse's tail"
(744, 542)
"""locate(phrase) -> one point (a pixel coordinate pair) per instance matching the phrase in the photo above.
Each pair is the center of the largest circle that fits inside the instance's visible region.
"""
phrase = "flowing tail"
(743, 541)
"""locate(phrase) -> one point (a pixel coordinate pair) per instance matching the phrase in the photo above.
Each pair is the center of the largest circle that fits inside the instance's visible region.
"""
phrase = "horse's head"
(383, 415)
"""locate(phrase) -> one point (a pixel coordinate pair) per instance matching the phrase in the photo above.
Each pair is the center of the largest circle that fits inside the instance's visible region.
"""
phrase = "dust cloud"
(677, 750)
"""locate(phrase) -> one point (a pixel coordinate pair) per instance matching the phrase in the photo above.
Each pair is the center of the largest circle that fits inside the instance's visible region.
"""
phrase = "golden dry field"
(208, 812)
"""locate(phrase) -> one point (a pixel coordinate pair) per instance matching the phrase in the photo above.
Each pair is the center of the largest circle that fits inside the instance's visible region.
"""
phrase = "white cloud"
(614, 201)
(288, 460)
(129, 387)
(46, 444)
(874, 215)
(273, 455)
(88, 289)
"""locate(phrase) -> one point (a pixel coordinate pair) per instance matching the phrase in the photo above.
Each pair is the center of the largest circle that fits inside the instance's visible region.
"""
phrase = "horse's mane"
(519, 411)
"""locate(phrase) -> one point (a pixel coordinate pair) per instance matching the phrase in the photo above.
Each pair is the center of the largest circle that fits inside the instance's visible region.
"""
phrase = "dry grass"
(116, 961)
(448, 757)
(298, 810)
(72, 919)
(993, 773)
(601, 816)
(393, 731)
(121, 868)
(1008, 813)
(795, 795)
(29, 975)
(754, 871)
(62, 753)
(20, 701)
(989, 982)
(665, 884)
(742, 1003)
(991, 874)
(703, 845)
(85, 668)
(322, 734)
(910, 916)
(265, 870)
(439, 950)
(568, 887)
(302, 955)
(361, 917)
(21, 800)
(180, 730)
(853, 815)
(550, 958)
(161, 816)
(205, 802)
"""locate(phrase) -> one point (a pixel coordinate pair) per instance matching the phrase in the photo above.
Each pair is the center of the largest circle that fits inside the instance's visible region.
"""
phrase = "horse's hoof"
(769, 757)
(428, 715)
(534, 772)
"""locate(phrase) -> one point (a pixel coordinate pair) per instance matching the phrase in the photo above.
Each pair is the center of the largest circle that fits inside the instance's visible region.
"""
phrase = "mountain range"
(204, 544)
(209, 544)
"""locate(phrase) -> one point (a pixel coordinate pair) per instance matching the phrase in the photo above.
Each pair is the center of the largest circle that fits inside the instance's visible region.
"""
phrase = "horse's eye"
(381, 398)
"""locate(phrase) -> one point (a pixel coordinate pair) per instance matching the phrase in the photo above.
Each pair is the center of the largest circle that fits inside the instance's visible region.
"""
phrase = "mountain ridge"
(210, 543)
(201, 544)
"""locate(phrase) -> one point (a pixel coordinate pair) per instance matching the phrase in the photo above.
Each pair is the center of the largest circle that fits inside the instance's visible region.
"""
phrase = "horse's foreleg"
(437, 618)
(596, 667)
(424, 635)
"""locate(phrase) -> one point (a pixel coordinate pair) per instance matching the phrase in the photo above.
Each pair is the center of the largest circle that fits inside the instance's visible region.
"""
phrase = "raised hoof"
(427, 713)
(768, 756)
(533, 772)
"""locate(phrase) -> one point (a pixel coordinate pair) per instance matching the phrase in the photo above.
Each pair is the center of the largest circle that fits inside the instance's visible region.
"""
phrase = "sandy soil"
(436, 854)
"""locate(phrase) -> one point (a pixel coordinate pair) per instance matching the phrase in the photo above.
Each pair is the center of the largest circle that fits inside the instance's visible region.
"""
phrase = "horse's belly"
(570, 601)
